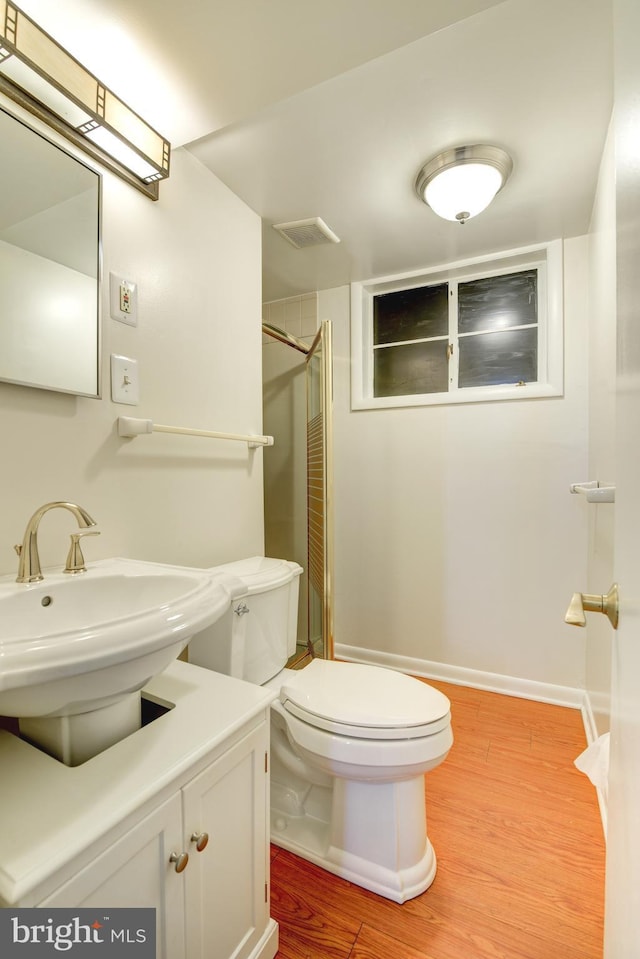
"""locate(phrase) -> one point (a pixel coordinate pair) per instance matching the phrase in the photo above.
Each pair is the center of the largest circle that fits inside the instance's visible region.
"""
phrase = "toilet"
(350, 743)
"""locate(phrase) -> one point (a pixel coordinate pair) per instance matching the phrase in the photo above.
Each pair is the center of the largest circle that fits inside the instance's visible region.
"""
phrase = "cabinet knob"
(180, 859)
(201, 839)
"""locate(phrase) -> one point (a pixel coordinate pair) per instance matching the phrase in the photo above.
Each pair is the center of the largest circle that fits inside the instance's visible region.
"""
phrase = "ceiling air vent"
(301, 233)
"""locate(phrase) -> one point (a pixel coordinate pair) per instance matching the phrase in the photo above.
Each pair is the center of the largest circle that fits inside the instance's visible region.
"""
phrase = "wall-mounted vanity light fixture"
(39, 74)
(462, 182)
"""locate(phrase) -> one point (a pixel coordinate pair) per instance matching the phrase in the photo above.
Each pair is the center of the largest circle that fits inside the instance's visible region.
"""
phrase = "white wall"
(458, 544)
(602, 375)
(195, 255)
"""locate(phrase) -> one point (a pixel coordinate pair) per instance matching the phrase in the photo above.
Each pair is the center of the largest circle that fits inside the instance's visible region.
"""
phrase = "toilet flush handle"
(241, 609)
(593, 603)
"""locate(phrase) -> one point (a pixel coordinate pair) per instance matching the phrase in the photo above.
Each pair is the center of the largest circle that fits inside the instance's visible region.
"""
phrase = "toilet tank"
(257, 635)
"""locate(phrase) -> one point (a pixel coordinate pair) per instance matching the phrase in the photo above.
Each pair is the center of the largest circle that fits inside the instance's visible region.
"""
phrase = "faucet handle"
(75, 559)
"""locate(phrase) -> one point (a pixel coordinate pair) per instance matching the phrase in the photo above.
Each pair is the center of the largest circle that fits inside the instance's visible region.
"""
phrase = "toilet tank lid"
(259, 573)
(360, 695)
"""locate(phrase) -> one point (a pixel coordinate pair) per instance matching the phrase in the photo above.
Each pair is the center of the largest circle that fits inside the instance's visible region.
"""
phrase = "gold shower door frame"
(319, 377)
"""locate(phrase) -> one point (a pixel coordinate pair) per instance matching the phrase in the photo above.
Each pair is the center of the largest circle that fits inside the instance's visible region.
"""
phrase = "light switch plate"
(125, 382)
(123, 300)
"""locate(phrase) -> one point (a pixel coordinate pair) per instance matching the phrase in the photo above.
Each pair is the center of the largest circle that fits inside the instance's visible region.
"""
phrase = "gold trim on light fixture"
(40, 75)
(471, 175)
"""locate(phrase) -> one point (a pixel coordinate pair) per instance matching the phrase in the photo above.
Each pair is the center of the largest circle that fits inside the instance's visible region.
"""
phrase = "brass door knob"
(593, 603)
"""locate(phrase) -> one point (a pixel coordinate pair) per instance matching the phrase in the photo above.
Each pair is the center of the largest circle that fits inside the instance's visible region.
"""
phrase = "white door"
(622, 928)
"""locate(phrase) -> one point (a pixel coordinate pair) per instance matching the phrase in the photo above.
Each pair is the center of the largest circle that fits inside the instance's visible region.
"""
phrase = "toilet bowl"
(350, 743)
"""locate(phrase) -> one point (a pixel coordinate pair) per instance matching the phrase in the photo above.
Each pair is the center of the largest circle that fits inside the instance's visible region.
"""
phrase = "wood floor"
(517, 833)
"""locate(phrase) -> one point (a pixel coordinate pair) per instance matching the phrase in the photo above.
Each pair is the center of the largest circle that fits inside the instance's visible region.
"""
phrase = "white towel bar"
(130, 426)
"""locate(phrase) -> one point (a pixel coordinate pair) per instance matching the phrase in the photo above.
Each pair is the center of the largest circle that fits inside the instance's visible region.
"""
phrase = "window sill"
(485, 394)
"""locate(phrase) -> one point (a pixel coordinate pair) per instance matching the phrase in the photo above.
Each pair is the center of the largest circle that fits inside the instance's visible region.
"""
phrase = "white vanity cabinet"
(193, 782)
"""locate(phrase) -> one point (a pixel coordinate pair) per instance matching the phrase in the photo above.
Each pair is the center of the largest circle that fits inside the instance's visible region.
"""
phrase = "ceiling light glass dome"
(460, 183)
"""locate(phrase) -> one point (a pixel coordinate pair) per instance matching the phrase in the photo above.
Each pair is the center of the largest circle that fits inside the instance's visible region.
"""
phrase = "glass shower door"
(320, 494)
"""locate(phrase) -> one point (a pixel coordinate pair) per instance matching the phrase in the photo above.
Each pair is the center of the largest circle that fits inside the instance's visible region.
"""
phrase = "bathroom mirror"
(49, 264)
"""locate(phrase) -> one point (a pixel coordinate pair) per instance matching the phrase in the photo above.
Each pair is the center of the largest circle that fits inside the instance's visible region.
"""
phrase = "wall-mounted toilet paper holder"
(593, 603)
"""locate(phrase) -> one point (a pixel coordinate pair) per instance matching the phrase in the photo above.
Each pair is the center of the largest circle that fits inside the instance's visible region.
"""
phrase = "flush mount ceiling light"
(462, 182)
(42, 77)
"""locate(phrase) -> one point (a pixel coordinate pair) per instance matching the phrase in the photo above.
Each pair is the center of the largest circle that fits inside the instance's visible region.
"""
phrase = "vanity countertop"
(50, 813)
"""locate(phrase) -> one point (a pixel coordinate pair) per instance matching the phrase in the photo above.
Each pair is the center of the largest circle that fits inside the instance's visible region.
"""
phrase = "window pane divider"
(423, 339)
(454, 352)
(499, 329)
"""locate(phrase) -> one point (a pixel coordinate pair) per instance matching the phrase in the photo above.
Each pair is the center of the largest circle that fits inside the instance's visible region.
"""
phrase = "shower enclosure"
(298, 484)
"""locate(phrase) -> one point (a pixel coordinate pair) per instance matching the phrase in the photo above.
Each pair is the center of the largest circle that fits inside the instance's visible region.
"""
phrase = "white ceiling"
(330, 108)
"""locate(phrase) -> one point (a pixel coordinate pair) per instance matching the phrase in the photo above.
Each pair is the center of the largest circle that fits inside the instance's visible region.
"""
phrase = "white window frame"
(545, 257)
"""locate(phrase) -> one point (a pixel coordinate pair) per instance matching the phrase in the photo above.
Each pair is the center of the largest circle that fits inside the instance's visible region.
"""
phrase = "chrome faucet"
(29, 570)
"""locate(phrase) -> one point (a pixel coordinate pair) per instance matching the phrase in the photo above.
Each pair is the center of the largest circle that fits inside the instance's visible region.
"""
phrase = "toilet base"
(372, 834)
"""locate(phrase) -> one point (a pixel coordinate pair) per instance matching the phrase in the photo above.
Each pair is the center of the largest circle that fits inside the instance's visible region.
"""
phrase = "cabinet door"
(135, 871)
(227, 899)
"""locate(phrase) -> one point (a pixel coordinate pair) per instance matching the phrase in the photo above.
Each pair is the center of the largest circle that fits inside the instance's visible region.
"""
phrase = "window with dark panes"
(498, 330)
(472, 331)
(457, 335)
(410, 341)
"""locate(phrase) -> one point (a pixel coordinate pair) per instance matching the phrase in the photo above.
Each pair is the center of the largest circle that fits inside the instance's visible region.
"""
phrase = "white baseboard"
(461, 676)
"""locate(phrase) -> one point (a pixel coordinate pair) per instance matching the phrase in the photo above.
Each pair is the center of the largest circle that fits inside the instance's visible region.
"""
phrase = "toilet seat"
(363, 702)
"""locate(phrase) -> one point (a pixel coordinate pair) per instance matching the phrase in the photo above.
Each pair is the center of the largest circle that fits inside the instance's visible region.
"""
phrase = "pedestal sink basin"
(73, 645)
